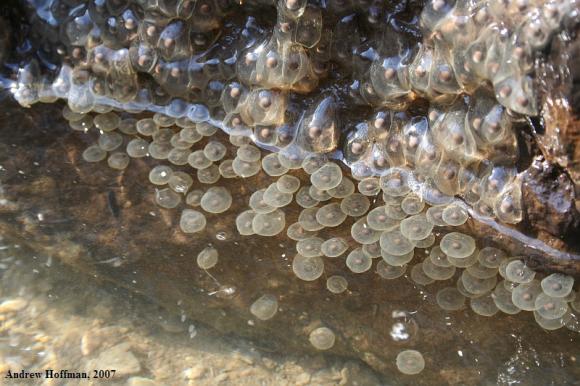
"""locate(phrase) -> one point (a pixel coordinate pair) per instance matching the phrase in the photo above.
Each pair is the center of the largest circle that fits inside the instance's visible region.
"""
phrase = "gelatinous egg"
(390, 272)
(457, 245)
(412, 204)
(94, 153)
(327, 177)
(557, 285)
(307, 268)
(269, 224)
(518, 272)
(336, 284)
(244, 222)
(330, 215)
(410, 362)
(207, 258)
(395, 243)
(265, 307)
(454, 215)
(503, 300)
(358, 262)
(167, 198)
(450, 298)
(322, 338)
(288, 184)
(216, 199)
(192, 221)
(418, 275)
(549, 307)
(355, 205)
(524, 295)
(334, 247)
(310, 247)
(416, 227)
(483, 305)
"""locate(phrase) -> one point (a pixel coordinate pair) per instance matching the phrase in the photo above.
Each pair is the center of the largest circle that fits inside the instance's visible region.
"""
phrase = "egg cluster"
(467, 149)
(394, 220)
(467, 43)
(161, 80)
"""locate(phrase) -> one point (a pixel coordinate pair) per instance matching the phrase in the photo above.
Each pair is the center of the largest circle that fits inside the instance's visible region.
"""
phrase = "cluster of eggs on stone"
(126, 59)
